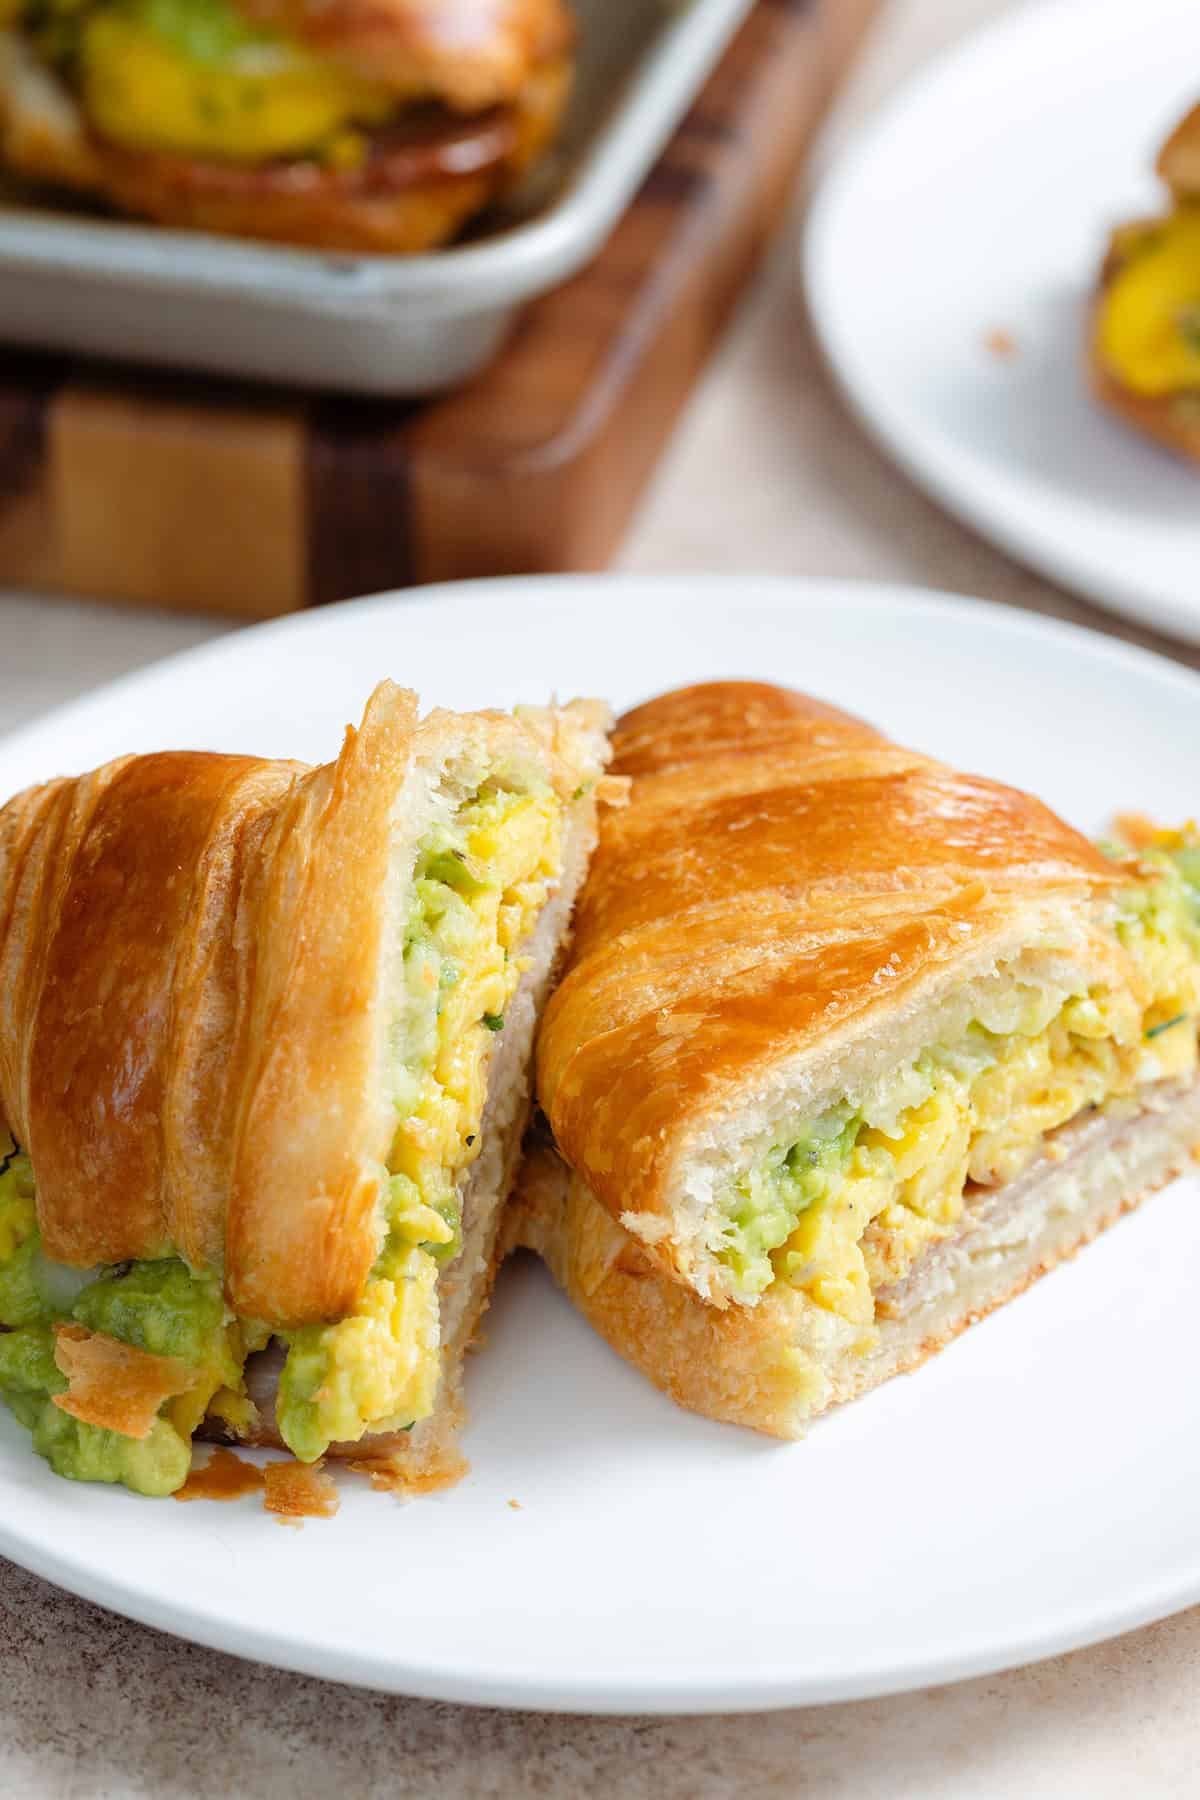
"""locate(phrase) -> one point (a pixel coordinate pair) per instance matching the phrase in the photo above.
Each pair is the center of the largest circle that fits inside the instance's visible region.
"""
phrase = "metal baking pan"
(370, 324)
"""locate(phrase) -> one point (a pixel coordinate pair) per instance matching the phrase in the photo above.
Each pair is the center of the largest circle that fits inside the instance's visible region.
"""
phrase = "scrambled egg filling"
(479, 886)
(480, 883)
(197, 78)
(849, 1203)
(1149, 322)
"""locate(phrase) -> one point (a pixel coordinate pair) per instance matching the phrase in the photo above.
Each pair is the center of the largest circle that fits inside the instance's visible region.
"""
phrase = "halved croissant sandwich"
(1144, 345)
(850, 1048)
(265, 1034)
(369, 127)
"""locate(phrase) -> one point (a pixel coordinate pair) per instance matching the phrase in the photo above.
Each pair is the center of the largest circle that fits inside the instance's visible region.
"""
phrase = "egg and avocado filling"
(198, 78)
(1148, 329)
(162, 1307)
(848, 1203)
(481, 880)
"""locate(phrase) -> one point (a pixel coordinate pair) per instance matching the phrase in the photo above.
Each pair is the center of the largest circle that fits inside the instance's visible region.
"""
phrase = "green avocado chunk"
(22, 1301)
(296, 1411)
(764, 1204)
(160, 1307)
(29, 1377)
(156, 1306)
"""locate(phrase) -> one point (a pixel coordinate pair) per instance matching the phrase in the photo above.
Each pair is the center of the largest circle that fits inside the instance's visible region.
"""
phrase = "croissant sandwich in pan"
(370, 125)
(265, 1035)
(1145, 335)
(850, 1048)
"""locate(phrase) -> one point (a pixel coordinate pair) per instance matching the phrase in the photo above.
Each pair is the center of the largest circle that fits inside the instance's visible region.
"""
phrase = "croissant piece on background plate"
(265, 1038)
(380, 126)
(1144, 345)
(849, 1049)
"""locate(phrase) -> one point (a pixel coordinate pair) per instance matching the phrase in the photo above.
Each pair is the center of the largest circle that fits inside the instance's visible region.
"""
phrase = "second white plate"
(979, 202)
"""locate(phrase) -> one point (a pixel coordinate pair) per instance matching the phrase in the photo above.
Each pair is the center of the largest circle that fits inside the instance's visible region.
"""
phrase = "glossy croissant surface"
(194, 968)
(783, 876)
(187, 971)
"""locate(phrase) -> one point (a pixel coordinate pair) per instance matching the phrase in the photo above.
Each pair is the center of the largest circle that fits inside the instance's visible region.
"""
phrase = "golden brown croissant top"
(781, 872)
(197, 974)
(182, 961)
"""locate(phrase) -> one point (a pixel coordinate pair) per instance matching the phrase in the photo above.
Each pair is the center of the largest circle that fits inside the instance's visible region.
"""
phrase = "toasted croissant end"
(1179, 159)
(112, 1384)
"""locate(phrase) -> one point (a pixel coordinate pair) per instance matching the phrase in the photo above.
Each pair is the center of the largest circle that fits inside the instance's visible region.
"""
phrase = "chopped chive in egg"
(1167, 1025)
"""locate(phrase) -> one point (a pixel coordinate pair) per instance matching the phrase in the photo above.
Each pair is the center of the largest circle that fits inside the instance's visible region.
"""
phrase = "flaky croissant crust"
(192, 1008)
(186, 974)
(782, 874)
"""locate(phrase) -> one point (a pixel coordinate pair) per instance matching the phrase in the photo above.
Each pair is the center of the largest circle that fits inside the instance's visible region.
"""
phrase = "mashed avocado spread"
(29, 1376)
(849, 1201)
(479, 884)
(157, 1306)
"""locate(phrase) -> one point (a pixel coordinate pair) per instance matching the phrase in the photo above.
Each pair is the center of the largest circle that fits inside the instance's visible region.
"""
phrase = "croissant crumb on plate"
(850, 1048)
(1144, 335)
(265, 1035)
(359, 125)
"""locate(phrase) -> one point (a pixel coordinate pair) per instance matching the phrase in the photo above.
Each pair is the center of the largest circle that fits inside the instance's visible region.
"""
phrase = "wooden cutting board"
(188, 492)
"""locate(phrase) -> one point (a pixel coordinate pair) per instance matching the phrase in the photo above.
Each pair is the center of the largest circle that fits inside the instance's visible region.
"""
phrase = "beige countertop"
(91, 1705)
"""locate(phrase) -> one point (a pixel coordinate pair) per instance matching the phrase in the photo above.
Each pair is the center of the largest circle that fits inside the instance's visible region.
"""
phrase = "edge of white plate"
(772, 1692)
(765, 588)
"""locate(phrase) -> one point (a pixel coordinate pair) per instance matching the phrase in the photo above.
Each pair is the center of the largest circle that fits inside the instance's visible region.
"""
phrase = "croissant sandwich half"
(265, 1035)
(1144, 348)
(850, 1048)
(364, 125)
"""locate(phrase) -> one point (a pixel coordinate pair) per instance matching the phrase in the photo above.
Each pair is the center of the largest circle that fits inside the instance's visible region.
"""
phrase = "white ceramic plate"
(1033, 1488)
(981, 200)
